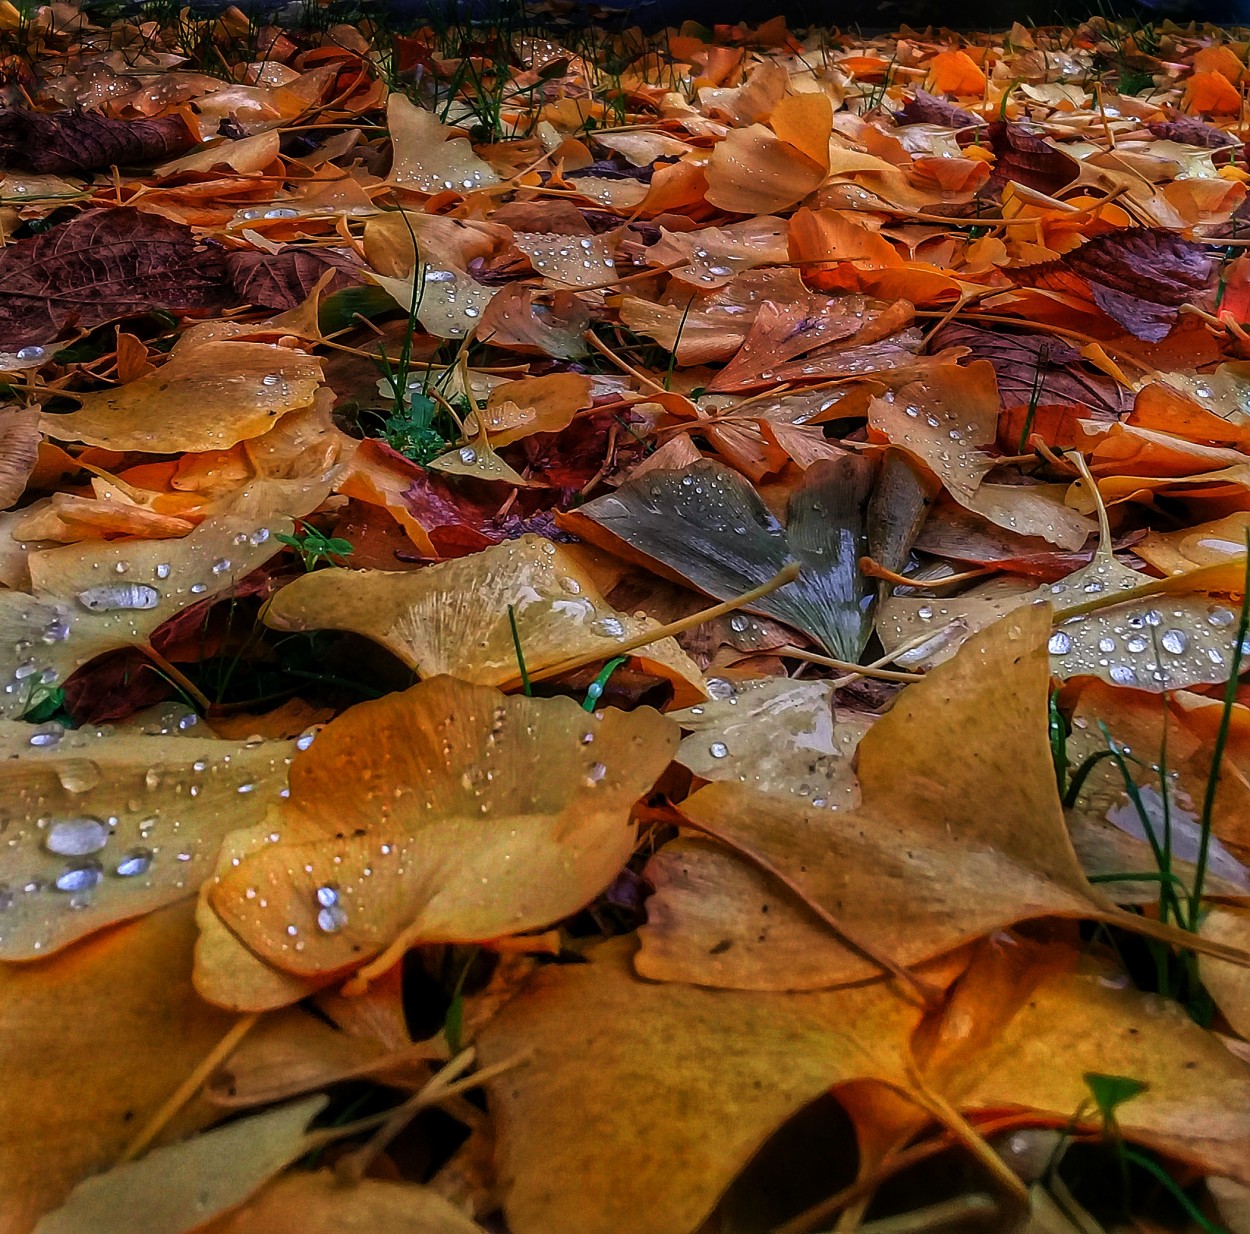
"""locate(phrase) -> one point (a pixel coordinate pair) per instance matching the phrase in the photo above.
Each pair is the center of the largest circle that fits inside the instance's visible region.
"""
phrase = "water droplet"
(468, 455)
(114, 597)
(1060, 643)
(1221, 617)
(79, 876)
(718, 749)
(1175, 641)
(595, 773)
(136, 861)
(1136, 643)
(77, 837)
(331, 919)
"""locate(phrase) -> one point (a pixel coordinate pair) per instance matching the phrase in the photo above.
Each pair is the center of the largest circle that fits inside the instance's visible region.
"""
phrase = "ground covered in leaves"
(608, 633)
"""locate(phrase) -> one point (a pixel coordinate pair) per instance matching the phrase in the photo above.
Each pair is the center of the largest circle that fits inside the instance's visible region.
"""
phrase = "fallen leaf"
(130, 986)
(177, 1188)
(318, 1203)
(72, 143)
(208, 398)
(101, 265)
(381, 875)
(453, 617)
(714, 1074)
(960, 833)
(708, 527)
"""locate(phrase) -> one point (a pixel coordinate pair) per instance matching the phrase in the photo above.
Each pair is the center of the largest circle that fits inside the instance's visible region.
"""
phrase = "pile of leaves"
(611, 632)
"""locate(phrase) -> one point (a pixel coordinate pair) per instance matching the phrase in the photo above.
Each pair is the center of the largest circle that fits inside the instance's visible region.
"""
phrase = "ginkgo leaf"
(1227, 983)
(946, 420)
(1162, 640)
(517, 409)
(775, 735)
(753, 171)
(93, 597)
(320, 1203)
(479, 460)
(424, 154)
(206, 398)
(453, 617)
(435, 829)
(179, 1187)
(100, 828)
(124, 998)
(654, 1096)
(961, 832)
(707, 526)
(1029, 1021)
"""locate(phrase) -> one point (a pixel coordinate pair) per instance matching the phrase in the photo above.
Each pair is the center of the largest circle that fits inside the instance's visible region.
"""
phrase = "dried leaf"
(177, 1188)
(654, 1096)
(101, 265)
(72, 143)
(124, 999)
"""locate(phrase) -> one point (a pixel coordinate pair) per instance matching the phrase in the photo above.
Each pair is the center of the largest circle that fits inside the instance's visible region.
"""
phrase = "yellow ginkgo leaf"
(424, 154)
(453, 617)
(92, 597)
(531, 405)
(124, 998)
(433, 826)
(100, 828)
(960, 833)
(206, 398)
(179, 1187)
(775, 735)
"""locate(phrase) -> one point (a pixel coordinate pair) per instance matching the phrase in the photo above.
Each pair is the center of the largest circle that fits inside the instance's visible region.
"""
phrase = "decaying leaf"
(104, 264)
(75, 142)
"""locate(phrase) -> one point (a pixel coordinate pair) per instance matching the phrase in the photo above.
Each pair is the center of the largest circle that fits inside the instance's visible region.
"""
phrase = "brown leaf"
(1029, 159)
(1139, 277)
(79, 142)
(1036, 369)
(102, 265)
(284, 280)
(19, 448)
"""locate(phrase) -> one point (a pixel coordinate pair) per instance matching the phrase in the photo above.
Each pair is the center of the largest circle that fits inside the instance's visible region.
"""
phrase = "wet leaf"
(453, 617)
(707, 526)
(207, 398)
(100, 828)
(94, 597)
(71, 143)
(101, 265)
(441, 832)
(776, 735)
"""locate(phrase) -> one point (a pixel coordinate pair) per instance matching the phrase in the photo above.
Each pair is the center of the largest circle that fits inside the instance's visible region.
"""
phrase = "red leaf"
(76, 142)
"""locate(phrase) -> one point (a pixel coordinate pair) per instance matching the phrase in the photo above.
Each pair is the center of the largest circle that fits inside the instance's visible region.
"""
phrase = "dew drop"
(718, 749)
(1060, 643)
(77, 837)
(115, 597)
(79, 876)
(135, 862)
(1175, 641)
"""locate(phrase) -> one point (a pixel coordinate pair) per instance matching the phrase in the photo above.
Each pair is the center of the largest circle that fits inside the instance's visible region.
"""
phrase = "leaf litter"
(645, 592)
